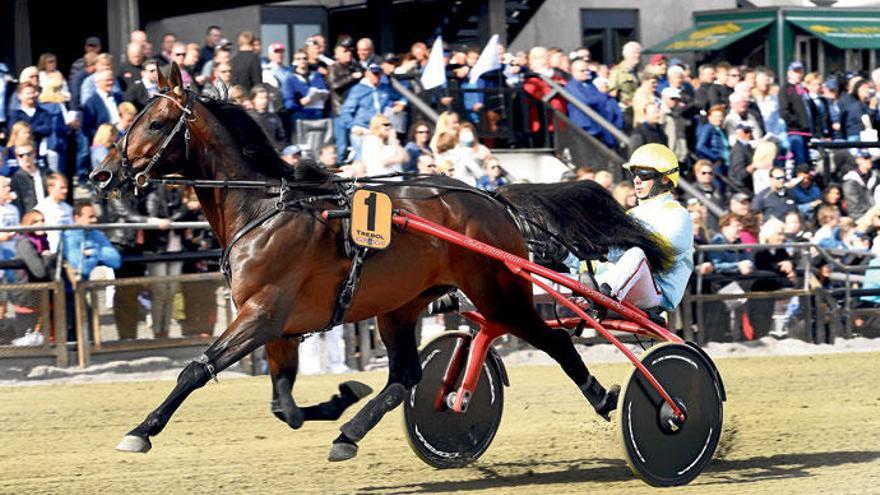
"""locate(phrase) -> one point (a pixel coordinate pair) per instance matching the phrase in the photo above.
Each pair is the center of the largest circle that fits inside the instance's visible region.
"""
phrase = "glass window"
(605, 31)
(303, 31)
(274, 33)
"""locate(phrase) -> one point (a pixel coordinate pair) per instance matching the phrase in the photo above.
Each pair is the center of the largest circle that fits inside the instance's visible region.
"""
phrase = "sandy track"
(805, 424)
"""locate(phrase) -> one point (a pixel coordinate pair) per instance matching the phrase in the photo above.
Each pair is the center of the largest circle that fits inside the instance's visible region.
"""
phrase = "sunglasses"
(386, 124)
(26, 154)
(777, 177)
(645, 174)
(179, 54)
(423, 132)
(709, 172)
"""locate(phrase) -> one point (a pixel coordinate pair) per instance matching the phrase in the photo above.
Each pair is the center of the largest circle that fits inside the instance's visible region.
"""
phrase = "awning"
(843, 34)
(705, 36)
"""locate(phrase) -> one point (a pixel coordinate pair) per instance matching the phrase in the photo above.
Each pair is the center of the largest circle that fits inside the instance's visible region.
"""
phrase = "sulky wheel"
(446, 439)
(657, 450)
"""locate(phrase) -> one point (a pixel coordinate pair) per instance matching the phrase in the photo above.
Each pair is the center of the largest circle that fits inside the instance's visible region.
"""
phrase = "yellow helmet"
(655, 156)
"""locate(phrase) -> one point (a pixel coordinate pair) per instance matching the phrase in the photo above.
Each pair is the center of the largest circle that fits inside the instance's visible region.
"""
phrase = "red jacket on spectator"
(536, 87)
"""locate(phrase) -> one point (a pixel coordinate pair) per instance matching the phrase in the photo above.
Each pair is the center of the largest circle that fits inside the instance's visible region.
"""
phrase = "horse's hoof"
(342, 452)
(133, 443)
(356, 390)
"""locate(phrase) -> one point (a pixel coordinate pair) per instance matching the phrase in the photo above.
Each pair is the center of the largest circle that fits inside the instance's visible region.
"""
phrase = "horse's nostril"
(101, 176)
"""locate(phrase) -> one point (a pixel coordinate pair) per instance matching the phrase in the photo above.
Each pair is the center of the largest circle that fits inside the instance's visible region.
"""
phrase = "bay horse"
(286, 271)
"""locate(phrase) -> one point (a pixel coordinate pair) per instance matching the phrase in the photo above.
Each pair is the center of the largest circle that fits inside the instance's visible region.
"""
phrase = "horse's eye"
(156, 125)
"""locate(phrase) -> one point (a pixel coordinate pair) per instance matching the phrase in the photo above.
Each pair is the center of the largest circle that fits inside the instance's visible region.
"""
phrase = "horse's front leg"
(404, 371)
(282, 355)
(259, 320)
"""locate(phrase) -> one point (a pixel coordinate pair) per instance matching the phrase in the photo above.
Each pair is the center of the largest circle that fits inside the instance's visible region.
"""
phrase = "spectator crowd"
(741, 135)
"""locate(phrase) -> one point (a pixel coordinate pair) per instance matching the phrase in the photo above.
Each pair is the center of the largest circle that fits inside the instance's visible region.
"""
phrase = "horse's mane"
(254, 145)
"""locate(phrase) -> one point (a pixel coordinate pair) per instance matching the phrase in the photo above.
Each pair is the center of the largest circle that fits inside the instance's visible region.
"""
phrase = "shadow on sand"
(720, 471)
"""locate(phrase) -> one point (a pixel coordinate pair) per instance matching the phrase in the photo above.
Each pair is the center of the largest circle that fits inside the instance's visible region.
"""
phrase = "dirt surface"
(795, 424)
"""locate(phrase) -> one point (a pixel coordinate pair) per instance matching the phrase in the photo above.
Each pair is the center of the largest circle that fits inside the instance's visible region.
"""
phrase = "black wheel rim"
(444, 438)
(660, 453)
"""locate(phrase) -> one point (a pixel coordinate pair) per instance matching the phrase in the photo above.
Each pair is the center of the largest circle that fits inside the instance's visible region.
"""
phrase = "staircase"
(462, 23)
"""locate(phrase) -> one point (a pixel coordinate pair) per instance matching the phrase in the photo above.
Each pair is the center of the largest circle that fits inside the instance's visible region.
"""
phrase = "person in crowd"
(105, 138)
(103, 63)
(222, 75)
(213, 35)
(304, 92)
(447, 123)
(706, 78)
(650, 129)
(9, 217)
(179, 54)
(674, 123)
(427, 164)
(328, 158)
(858, 185)
(538, 88)
(366, 54)
(469, 154)
(366, 100)
(62, 123)
(793, 109)
(807, 194)
(604, 179)
(732, 262)
(712, 141)
(706, 183)
(741, 156)
(831, 93)
(625, 195)
(223, 55)
(277, 71)
(740, 205)
(92, 46)
(742, 113)
(582, 88)
(758, 171)
(817, 106)
(140, 91)
(85, 250)
(47, 65)
(292, 155)
(32, 248)
(30, 75)
(20, 133)
(419, 137)
(38, 118)
(191, 64)
(28, 182)
(130, 69)
(199, 298)
(832, 197)
(90, 65)
(127, 113)
(828, 235)
(343, 75)
(246, 68)
(166, 203)
(493, 178)
(768, 106)
(719, 92)
(166, 49)
(646, 93)
(776, 200)
(103, 106)
(623, 79)
(55, 210)
(854, 106)
(269, 121)
(794, 228)
(381, 152)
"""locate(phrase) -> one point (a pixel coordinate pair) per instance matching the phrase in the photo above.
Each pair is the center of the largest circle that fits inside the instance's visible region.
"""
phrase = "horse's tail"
(585, 216)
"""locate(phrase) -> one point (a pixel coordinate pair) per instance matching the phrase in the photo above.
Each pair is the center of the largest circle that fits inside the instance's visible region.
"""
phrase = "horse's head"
(157, 143)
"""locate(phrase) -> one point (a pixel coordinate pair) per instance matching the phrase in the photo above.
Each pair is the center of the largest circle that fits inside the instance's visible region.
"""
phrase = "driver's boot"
(604, 402)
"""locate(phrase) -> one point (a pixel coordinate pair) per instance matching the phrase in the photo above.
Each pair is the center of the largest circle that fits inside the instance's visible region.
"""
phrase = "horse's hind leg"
(282, 355)
(404, 371)
(257, 322)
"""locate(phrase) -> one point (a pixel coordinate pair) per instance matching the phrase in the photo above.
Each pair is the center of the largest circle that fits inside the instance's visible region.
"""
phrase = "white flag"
(435, 71)
(488, 61)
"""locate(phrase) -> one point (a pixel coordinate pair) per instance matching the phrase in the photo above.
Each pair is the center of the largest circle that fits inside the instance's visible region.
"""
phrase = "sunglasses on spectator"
(777, 177)
(645, 174)
(26, 154)
(706, 172)
(180, 54)
(386, 124)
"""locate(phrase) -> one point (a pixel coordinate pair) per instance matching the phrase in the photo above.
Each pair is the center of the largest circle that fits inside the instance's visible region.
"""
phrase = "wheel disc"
(658, 449)
(446, 439)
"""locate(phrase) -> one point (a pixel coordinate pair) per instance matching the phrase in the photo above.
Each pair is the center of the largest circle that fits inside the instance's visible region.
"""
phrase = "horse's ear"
(163, 81)
(175, 81)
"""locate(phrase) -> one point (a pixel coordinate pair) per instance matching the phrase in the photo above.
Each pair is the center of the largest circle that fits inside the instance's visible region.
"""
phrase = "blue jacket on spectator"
(471, 98)
(365, 102)
(44, 124)
(727, 262)
(808, 195)
(95, 113)
(851, 111)
(295, 87)
(712, 144)
(586, 93)
(86, 249)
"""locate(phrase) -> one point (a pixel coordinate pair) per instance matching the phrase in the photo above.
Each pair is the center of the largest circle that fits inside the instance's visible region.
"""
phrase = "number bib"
(371, 219)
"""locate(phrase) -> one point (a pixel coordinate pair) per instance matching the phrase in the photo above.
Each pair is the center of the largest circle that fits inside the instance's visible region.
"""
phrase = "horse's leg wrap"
(368, 417)
(604, 402)
(283, 406)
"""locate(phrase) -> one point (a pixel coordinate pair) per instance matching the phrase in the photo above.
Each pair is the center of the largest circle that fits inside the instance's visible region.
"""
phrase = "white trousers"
(310, 359)
(631, 280)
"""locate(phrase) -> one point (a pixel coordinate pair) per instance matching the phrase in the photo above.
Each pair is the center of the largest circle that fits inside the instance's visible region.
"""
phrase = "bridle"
(141, 179)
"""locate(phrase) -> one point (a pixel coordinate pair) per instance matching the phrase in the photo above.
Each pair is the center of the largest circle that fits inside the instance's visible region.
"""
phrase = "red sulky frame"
(635, 320)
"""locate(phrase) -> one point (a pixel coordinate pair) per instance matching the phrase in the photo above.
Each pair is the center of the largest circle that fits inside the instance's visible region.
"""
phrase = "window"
(605, 31)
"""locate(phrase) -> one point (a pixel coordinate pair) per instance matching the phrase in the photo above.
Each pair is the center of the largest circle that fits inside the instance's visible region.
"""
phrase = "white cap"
(670, 92)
